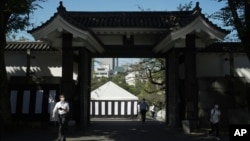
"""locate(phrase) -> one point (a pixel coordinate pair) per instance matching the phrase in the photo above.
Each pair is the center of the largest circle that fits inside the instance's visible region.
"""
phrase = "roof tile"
(143, 19)
(24, 46)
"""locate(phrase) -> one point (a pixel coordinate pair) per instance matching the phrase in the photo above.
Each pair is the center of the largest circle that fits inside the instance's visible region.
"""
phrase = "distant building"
(112, 62)
(108, 67)
(117, 70)
(102, 71)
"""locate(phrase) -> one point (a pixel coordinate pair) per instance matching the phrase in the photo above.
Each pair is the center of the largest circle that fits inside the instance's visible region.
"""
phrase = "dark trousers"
(214, 127)
(62, 121)
(143, 115)
(153, 114)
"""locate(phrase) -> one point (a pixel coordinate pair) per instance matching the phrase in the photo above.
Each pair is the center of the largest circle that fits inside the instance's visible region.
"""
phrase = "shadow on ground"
(113, 130)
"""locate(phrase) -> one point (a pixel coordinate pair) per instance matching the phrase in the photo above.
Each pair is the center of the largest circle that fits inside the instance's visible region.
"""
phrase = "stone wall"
(229, 93)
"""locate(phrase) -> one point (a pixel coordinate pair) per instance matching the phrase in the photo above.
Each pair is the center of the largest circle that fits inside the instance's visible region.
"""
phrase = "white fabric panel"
(39, 101)
(129, 108)
(13, 100)
(122, 108)
(135, 107)
(103, 108)
(52, 103)
(96, 108)
(91, 110)
(116, 108)
(109, 108)
(26, 102)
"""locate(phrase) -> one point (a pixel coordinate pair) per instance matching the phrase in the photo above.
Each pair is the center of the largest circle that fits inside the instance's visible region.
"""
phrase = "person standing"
(152, 110)
(62, 108)
(214, 120)
(143, 109)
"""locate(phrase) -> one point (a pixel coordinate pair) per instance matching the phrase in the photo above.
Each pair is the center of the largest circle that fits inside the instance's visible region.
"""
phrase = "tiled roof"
(32, 46)
(131, 19)
(41, 46)
(144, 19)
(224, 47)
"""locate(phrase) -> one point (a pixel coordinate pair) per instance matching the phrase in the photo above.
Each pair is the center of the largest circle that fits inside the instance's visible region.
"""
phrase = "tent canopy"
(111, 91)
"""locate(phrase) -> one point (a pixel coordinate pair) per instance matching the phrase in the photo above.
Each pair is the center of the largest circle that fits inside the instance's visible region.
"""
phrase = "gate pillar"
(190, 121)
(172, 89)
(84, 84)
(67, 66)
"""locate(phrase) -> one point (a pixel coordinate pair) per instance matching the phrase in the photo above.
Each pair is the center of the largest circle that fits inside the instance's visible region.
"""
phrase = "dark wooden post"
(84, 82)
(28, 57)
(67, 66)
(191, 86)
(172, 91)
(231, 63)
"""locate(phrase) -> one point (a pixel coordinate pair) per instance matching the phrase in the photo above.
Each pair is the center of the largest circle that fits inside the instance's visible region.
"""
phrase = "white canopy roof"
(111, 91)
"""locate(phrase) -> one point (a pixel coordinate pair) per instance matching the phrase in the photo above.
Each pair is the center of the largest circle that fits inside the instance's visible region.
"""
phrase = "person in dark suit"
(143, 109)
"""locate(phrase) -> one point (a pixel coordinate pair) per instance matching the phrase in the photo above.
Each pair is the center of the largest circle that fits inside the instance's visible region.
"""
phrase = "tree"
(236, 14)
(151, 80)
(14, 16)
(153, 70)
(185, 7)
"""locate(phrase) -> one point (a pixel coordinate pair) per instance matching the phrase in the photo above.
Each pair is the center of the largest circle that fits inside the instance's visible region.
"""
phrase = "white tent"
(112, 100)
(111, 91)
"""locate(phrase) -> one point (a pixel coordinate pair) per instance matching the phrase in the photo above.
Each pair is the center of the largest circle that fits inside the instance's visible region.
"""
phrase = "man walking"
(143, 109)
(214, 120)
(62, 107)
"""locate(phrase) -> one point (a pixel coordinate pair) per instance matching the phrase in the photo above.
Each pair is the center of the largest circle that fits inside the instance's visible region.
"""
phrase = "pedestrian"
(152, 110)
(214, 120)
(62, 108)
(143, 109)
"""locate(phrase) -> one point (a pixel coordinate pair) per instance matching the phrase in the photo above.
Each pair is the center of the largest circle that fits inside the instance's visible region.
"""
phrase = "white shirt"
(215, 116)
(63, 105)
(152, 108)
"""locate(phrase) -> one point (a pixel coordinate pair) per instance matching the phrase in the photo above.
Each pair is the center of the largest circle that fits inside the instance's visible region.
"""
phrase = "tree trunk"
(4, 98)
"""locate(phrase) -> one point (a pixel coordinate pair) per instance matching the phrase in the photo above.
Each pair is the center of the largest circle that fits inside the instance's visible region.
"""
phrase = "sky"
(50, 7)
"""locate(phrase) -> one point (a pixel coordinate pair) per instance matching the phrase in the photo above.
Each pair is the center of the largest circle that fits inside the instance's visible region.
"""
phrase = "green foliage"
(185, 7)
(14, 16)
(17, 13)
(151, 80)
(235, 16)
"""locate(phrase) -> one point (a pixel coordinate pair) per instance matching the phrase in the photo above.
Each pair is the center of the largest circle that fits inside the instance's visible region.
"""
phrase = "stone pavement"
(113, 130)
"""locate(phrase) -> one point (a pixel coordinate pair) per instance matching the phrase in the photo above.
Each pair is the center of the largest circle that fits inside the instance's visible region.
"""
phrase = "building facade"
(102, 71)
(197, 63)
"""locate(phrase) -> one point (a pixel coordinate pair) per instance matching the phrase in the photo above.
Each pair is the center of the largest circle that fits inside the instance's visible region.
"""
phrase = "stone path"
(113, 130)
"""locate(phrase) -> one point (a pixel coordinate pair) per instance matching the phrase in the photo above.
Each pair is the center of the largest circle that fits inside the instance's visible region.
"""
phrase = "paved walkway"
(113, 130)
